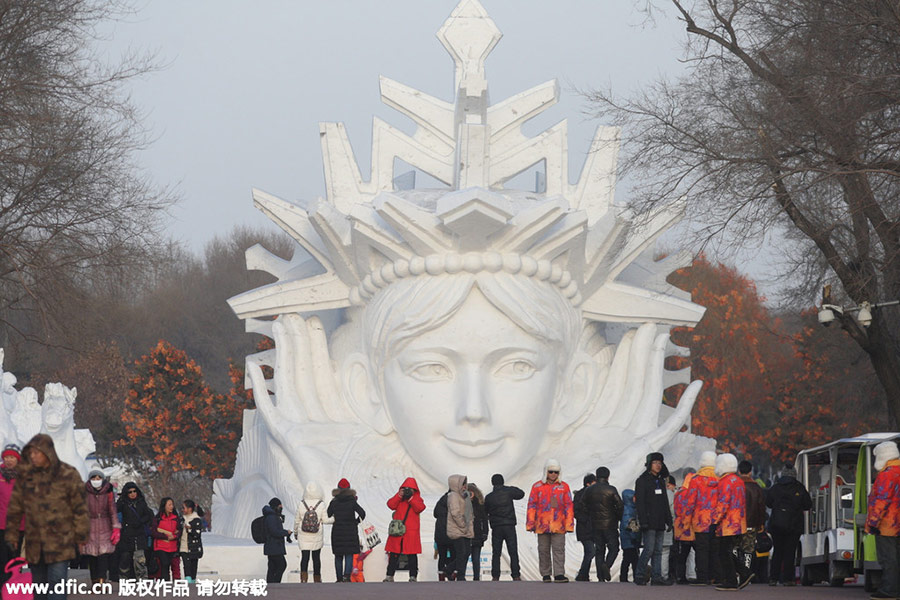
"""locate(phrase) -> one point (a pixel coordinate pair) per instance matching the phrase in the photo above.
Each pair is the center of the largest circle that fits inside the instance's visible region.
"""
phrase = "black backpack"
(258, 530)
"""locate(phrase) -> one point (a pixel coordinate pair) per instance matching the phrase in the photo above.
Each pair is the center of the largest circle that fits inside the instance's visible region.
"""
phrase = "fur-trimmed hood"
(552, 465)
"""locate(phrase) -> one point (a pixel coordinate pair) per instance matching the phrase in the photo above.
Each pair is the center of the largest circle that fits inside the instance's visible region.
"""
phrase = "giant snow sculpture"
(472, 330)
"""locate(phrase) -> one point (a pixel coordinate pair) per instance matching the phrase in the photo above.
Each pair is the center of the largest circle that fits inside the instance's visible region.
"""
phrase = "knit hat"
(708, 459)
(497, 479)
(789, 471)
(726, 463)
(12, 450)
(343, 484)
(96, 473)
(884, 452)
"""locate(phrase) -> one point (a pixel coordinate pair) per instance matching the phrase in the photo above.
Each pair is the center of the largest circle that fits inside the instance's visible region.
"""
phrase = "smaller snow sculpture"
(58, 411)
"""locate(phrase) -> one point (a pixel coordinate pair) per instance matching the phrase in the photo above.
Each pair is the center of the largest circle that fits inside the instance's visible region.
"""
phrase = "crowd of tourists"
(53, 518)
(716, 526)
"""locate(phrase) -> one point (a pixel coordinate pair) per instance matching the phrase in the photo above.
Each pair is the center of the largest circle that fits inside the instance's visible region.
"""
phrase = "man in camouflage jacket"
(50, 495)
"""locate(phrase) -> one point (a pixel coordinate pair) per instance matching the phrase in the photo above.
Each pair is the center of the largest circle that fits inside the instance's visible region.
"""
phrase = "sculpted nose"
(473, 408)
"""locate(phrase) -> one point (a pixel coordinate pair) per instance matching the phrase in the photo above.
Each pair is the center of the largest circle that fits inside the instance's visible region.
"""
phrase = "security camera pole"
(829, 311)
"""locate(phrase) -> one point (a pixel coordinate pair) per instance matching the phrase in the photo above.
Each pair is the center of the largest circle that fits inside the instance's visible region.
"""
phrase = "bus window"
(845, 512)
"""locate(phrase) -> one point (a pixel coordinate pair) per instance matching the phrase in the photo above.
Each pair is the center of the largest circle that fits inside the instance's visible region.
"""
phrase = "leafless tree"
(788, 117)
(73, 202)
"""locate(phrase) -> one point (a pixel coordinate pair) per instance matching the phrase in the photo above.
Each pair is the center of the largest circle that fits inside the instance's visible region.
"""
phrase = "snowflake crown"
(366, 235)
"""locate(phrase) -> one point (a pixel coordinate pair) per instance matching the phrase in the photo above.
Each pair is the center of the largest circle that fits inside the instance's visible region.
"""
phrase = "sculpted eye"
(431, 372)
(516, 369)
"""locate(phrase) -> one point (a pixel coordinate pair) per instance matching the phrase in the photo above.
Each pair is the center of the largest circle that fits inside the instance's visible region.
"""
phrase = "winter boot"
(304, 576)
(317, 578)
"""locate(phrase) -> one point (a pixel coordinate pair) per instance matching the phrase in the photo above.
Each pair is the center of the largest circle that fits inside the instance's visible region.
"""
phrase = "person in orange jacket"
(551, 515)
(700, 504)
(730, 515)
(684, 534)
(883, 517)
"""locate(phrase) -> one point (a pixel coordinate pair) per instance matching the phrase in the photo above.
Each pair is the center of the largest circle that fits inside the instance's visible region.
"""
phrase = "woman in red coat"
(407, 503)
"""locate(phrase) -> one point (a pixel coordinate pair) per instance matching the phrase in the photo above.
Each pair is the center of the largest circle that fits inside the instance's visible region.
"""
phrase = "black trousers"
(412, 564)
(728, 559)
(606, 548)
(476, 560)
(99, 566)
(706, 548)
(784, 555)
(446, 559)
(165, 564)
(277, 565)
(190, 566)
(499, 535)
(316, 561)
(681, 550)
(462, 549)
(629, 560)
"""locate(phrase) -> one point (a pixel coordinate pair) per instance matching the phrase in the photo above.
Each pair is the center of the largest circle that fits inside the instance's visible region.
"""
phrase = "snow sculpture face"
(473, 385)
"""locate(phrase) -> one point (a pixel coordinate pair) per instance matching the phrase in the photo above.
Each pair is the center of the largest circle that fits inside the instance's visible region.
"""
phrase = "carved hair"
(413, 306)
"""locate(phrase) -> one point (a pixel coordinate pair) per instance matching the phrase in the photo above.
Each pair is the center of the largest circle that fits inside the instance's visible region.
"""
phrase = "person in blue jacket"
(631, 540)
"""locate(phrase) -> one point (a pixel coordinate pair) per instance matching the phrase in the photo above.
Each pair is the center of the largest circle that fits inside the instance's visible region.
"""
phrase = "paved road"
(525, 590)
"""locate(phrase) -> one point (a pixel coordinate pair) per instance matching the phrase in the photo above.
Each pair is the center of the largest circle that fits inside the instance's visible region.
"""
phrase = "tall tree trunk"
(883, 352)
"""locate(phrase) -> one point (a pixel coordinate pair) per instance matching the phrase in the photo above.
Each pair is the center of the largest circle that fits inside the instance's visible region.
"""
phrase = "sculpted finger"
(333, 403)
(302, 362)
(613, 411)
(638, 357)
(646, 416)
(677, 419)
(261, 396)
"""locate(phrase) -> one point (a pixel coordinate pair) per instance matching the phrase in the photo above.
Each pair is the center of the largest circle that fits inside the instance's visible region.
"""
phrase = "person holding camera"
(403, 531)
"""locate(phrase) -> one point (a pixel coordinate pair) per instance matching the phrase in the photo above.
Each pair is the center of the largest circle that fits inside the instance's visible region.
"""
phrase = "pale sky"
(246, 83)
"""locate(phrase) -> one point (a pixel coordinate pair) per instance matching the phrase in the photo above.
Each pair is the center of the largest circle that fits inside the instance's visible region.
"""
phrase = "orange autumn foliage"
(173, 419)
(769, 389)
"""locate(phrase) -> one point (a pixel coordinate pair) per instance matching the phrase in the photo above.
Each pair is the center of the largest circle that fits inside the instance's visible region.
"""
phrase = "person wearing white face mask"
(105, 526)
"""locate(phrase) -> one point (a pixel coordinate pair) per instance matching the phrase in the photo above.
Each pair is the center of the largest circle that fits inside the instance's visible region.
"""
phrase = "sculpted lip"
(474, 448)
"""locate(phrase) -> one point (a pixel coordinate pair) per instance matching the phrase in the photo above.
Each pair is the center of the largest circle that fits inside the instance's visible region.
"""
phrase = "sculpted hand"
(627, 410)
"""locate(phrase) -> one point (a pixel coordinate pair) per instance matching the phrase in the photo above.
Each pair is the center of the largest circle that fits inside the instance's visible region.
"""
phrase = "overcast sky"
(245, 84)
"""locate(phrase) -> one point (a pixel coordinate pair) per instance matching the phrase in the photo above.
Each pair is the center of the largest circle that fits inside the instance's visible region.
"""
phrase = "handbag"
(16, 576)
(369, 535)
(397, 528)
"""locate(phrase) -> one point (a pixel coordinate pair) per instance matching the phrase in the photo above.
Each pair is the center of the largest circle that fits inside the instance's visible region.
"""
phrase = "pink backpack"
(14, 568)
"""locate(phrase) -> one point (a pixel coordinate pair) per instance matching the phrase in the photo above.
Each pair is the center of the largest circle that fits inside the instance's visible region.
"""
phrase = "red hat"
(343, 484)
(11, 450)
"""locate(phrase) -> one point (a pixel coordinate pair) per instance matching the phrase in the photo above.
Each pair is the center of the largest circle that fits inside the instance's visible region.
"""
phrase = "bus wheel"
(834, 579)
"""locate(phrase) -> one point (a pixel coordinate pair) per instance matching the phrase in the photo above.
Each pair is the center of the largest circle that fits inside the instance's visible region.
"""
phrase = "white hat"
(552, 464)
(884, 452)
(726, 463)
(708, 459)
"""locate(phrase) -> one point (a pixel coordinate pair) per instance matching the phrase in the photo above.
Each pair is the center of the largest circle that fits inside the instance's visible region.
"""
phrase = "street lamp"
(828, 310)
